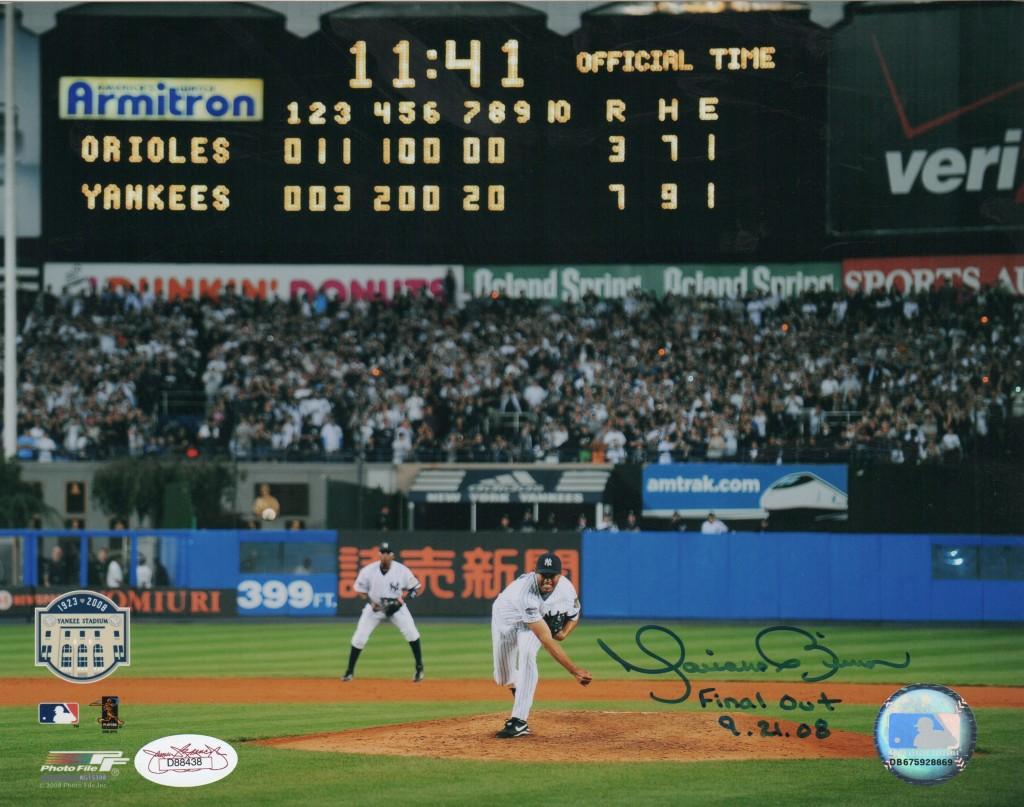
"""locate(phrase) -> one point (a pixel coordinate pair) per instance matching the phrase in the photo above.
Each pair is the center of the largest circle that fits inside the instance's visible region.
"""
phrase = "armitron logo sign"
(176, 99)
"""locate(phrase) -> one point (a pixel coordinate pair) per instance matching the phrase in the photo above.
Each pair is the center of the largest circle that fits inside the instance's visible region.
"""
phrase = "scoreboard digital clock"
(445, 135)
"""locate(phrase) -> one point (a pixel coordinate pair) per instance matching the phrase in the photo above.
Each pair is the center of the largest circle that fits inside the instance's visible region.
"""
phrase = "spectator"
(143, 573)
(55, 569)
(265, 505)
(97, 576)
(160, 576)
(676, 523)
(419, 378)
(713, 526)
(950, 446)
(114, 575)
(331, 436)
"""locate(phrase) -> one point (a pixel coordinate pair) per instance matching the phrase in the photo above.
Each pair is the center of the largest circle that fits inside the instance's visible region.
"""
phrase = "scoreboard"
(471, 133)
(426, 134)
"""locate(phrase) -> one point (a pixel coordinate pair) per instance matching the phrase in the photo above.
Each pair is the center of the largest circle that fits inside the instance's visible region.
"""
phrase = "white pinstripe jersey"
(371, 582)
(521, 603)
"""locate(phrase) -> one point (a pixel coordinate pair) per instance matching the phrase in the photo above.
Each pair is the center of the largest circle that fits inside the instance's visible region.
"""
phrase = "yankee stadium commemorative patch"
(82, 637)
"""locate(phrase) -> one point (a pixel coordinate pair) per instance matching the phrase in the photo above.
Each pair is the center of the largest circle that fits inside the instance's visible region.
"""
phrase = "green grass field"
(953, 656)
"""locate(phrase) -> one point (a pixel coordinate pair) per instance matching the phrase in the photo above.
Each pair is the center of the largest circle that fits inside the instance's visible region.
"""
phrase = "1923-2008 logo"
(82, 637)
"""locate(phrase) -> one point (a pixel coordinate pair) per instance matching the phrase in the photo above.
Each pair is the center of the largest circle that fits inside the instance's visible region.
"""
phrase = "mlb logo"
(59, 713)
(924, 730)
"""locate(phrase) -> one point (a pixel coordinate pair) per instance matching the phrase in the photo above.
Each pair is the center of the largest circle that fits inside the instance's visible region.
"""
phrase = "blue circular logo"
(925, 734)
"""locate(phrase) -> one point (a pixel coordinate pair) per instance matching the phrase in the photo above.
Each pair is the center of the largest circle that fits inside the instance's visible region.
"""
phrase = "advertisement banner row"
(569, 284)
(460, 574)
(522, 486)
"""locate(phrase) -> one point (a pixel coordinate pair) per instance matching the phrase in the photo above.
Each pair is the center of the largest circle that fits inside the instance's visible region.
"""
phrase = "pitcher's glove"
(556, 622)
(390, 605)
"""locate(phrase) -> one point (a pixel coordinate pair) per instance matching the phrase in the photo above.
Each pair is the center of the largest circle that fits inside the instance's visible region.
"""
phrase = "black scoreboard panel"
(482, 137)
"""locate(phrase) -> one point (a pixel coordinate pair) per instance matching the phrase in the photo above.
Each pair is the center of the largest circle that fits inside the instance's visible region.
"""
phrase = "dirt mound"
(589, 736)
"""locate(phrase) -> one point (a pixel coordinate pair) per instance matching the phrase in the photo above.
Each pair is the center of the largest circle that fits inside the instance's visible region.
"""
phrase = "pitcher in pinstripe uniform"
(518, 631)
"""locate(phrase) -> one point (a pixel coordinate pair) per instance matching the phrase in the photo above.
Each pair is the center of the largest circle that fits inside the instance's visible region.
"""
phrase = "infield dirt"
(557, 735)
(584, 736)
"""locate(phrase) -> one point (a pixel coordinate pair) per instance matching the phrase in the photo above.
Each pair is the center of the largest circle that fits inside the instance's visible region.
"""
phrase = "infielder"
(386, 585)
(539, 608)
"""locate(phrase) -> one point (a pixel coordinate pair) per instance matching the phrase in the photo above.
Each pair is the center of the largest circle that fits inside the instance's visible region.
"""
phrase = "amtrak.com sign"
(742, 491)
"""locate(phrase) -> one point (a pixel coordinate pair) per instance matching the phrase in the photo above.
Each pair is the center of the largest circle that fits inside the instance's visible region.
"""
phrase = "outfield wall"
(213, 573)
(760, 576)
(804, 576)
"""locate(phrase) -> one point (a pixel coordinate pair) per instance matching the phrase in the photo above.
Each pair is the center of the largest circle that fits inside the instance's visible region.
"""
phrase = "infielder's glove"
(556, 622)
(390, 605)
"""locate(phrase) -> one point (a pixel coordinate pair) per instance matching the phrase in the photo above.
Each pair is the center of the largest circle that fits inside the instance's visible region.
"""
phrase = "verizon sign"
(949, 169)
(916, 274)
(926, 119)
(265, 282)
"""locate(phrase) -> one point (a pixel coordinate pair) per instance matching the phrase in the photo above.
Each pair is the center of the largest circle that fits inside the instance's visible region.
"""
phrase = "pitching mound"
(584, 736)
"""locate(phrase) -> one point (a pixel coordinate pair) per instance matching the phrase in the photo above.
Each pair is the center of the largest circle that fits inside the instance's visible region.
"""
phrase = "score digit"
(472, 64)
(511, 51)
(404, 80)
(360, 82)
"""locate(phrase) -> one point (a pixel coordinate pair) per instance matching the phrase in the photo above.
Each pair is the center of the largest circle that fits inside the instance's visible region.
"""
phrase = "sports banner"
(617, 281)
(916, 274)
(287, 595)
(737, 280)
(460, 573)
(175, 603)
(198, 280)
(733, 490)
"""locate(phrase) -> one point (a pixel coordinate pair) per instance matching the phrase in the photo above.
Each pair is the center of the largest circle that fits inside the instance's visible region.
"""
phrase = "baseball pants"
(515, 664)
(369, 620)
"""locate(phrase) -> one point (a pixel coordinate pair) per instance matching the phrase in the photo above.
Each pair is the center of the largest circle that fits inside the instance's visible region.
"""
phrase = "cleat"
(418, 676)
(347, 677)
(514, 727)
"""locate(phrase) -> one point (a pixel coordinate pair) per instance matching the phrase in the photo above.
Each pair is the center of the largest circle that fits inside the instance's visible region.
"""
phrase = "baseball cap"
(385, 546)
(549, 563)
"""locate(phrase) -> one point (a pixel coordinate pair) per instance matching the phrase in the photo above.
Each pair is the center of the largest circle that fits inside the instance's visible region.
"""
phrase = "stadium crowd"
(823, 376)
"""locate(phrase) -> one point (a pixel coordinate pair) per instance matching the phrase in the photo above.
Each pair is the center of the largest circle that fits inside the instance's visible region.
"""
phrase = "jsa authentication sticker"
(186, 760)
